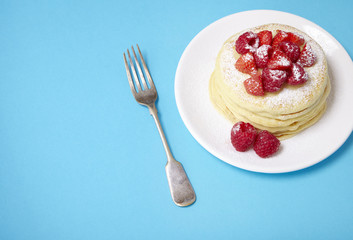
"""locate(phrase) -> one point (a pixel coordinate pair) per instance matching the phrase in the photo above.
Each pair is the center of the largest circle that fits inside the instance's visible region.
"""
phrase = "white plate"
(212, 131)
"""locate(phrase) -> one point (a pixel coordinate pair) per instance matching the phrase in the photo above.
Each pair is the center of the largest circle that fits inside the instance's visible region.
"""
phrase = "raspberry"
(262, 55)
(307, 57)
(246, 64)
(247, 42)
(290, 49)
(272, 80)
(266, 144)
(265, 37)
(280, 37)
(254, 86)
(242, 136)
(279, 60)
(296, 38)
(298, 75)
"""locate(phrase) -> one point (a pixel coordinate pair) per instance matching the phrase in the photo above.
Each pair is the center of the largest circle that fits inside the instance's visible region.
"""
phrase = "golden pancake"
(283, 113)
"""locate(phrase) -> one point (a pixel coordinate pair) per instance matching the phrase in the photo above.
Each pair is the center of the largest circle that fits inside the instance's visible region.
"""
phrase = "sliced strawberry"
(280, 37)
(307, 57)
(262, 55)
(296, 38)
(247, 42)
(298, 75)
(265, 37)
(272, 80)
(279, 60)
(290, 49)
(246, 64)
(254, 86)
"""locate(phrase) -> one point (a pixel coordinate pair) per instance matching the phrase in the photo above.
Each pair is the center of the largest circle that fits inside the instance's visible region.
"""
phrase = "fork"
(180, 187)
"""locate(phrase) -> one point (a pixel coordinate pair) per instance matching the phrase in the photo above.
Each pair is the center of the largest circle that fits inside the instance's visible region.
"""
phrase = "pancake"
(284, 113)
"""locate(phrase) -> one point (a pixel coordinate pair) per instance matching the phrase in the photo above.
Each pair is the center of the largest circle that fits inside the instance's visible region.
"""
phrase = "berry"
(265, 37)
(242, 136)
(262, 55)
(280, 37)
(279, 60)
(290, 49)
(296, 38)
(307, 57)
(246, 64)
(298, 75)
(266, 144)
(247, 42)
(253, 86)
(272, 80)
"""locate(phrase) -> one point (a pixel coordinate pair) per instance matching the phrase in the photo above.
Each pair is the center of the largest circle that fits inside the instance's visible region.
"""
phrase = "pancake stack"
(284, 113)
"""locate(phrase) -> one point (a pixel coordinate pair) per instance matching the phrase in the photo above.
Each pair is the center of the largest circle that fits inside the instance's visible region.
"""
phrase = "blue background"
(80, 159)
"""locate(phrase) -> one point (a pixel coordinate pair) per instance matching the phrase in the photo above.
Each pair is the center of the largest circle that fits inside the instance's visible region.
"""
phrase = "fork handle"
(180, 187)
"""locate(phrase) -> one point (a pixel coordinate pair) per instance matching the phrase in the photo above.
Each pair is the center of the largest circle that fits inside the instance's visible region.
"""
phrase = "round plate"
(212, 130)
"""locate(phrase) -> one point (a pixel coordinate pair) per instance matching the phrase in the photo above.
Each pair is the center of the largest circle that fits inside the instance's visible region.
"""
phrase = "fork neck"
(154, 113)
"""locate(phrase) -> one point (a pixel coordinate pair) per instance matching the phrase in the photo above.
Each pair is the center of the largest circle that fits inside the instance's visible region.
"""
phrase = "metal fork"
(180, 188)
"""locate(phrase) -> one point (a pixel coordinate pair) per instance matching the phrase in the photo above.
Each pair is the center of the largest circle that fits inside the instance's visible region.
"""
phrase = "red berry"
(246, 64)
(307, 57)
(297, 75)
(266, 144)
(247, 42)
(280, 37)
(262, 55)
(265, 37)
(290, 49)
(296, 38)
(242, 136)
(253, 86)
(279, 60)
(272, 80)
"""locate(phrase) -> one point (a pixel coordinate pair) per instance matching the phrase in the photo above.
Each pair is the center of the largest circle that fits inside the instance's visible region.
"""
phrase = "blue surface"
(80, 159)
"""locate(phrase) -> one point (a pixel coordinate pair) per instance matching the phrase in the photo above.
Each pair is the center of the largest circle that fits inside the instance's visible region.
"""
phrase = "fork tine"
(137, 82)
(150, 81)
(142, 78)
(133, 90)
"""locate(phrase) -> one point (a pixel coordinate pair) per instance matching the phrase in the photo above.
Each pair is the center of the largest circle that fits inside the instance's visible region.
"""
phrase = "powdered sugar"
(296, 71)
(279, 60)
(247, 42)
(292, 50)
(248, 57)
(287, 96)
(262, 55)
(307, 57)
(263, 51)
(273, 79)
(298, 75)
(255, 44)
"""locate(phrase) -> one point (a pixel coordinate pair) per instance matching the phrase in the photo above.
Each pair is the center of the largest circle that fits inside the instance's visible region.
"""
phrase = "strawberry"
(279, 37)
(297, 75)
(266, 144)
(272, 80)
(253, 85)
(242, 136)
(262, 55)
(247, 42)
(296, 38)
(279, 60)
(290, 49)
(265, 37)
(307, 57)
(246, 64)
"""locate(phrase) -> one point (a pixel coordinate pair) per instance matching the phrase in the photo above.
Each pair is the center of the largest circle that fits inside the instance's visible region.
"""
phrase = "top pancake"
(288, 100)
